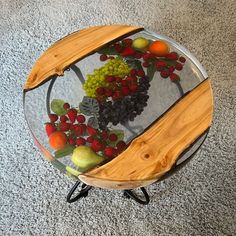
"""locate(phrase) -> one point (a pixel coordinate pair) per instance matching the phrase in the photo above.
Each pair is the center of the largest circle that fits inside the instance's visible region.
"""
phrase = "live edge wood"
(154, 152)
(73, 48)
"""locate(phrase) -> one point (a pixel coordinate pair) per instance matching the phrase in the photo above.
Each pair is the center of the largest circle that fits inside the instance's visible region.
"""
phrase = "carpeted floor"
(198, 200)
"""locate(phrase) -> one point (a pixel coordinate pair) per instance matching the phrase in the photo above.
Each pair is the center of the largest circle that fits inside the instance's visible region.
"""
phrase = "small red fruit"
(66, 106)
(125, 91)
(160, 64)
(100, 91)
(104, 135)
(64, 126)
(172, 56)
(146, 56)
(128, 52)
(165, 73)
(63, 118)
(118, 47)
(133, 72)
(71, 141)
(133, 87)
(146, 64)
(113, 137)
(110, 151)
(90, 139)
(182, 59)
(80, 141)
(120, 145)
(97, 146)
(91, 130)
(138, 55)
(127, 42)
(174, 77)
(171, 69)
(109, 92)
(80, 118)
(123, 82)
(178, 66)
(53, 117)
(140, 73)
(50, 128)
(72, 113)
(84, 128)
(78, 130)
(118, 79)
(103, 57)
(110, 79)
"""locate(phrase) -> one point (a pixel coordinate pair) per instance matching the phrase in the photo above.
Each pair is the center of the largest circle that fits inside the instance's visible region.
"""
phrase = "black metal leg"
(130, 194)
(83, 192)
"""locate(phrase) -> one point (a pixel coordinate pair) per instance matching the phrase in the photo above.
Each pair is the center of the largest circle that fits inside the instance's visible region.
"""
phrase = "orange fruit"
(57, 140)
(159, 48)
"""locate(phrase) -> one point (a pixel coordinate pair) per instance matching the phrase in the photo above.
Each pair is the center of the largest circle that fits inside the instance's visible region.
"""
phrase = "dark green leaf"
(136, 64)
(67, 150)
(93, 121)
(89, 106)
(108, 51)
(57, 107)
(151, 71)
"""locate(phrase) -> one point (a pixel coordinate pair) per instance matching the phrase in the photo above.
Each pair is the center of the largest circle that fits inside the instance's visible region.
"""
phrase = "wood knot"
(146, 156)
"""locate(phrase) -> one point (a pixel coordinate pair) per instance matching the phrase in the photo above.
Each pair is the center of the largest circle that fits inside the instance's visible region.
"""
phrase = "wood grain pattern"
(154, 152)
(72, 49)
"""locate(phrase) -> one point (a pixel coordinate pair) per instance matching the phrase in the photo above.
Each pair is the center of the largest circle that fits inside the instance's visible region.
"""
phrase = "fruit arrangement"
(116, 93)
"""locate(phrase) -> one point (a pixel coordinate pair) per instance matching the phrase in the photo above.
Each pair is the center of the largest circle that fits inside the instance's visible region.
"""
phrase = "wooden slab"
(154, 152)
(72, 49)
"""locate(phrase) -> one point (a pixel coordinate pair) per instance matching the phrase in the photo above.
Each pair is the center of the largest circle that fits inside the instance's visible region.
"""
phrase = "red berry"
(80, 141)
(165, 73)
(133, 87)
(120, 145)
(182, 59)
(78, 130)
(50, 128)
(116, 95)
(104, 135)
(109, 92)
(128, 52)
(53, 117)
(72, 113)
(63, 118)
(64, 126)
(140, 73)
(83, 127)
(146, 56)
(110, 151)
(91, 130)
(138, 55)
(171, 69)
(123, 82)
(178, 66)
(125, 91)
(103, 57)
(172, 56)
(118, 79)
(66, 106)
(97, 146)
(160, 64)
(118, 47)
(71, 141)
(80, 118)
(133, 72)
(113, 137)
(146, 64)
(127, 42)
(90, 139)
(100, 91)
(110, 79)
(174, 77)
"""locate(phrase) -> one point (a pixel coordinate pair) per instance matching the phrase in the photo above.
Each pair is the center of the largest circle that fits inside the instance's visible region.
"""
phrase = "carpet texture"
(199, 200)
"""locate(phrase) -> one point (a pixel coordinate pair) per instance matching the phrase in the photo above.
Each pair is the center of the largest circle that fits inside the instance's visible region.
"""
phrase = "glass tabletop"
(110, 97)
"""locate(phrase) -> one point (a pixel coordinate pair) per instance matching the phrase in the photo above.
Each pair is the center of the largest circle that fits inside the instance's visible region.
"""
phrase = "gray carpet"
(198, 200)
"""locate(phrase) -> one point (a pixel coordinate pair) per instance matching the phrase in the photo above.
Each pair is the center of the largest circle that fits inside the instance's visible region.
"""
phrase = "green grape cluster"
(114, 67)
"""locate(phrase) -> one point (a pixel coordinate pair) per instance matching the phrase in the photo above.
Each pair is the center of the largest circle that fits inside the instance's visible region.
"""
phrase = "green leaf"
(136, 64)
(93, 121)
(120, 136)
(68, 149)
(151, 71)
(108, 51)
(57, 107)
(89, 106)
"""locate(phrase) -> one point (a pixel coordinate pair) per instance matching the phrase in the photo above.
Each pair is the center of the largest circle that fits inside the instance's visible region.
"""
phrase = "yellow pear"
(85, 158)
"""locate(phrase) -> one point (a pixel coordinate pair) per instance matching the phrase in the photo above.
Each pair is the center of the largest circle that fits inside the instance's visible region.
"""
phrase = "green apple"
(84, 158)
(140, 43)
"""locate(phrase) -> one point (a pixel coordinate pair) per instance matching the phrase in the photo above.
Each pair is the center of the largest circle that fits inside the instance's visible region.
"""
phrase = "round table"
(139, 101)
